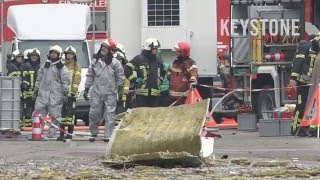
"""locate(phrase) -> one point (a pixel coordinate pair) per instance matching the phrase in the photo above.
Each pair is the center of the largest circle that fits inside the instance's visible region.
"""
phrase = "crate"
(281, 113)
(269, 127)
(285, 127)
(10, 103)
(247, 122)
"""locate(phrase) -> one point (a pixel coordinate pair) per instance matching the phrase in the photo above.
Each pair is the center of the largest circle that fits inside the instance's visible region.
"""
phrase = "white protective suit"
(52, 85)
(104, 80)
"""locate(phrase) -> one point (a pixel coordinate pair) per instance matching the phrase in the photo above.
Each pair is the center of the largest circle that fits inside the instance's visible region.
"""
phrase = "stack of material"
(160, 135)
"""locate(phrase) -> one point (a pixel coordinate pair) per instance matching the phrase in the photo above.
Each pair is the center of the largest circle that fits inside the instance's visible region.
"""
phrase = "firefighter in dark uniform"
(30, 69)
(68, 109)
(150, 74)
(125, 99)
(15, 70)
(302, 66)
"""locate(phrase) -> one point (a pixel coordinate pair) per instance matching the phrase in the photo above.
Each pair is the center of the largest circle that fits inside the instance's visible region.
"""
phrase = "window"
(101, 20)
(44, 46)
(163, 13)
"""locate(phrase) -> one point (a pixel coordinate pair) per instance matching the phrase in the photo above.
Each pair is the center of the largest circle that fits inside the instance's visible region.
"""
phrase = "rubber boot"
(61, 137)
(92, 138)
(70, 131)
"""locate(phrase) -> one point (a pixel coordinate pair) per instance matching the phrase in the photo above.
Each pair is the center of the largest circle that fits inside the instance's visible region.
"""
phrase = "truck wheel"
(266, 103)
(85, 120)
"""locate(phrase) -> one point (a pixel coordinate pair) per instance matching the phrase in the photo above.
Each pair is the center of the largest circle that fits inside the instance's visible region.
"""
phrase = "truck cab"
(46, 25)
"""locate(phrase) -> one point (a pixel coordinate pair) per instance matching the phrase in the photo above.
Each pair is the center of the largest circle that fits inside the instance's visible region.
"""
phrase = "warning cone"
(36, 128)
(275, 56)
(194, 96)
(311, 115)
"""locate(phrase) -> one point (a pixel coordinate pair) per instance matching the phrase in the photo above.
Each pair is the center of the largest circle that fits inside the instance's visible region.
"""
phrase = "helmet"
(119, 55)
(151, 43)
(183, 48)
(56, 49)
(317, 37)
(70, 49)
(26, 53)
(34, 51)
(120, 48)
(16, 53)
(109, 43)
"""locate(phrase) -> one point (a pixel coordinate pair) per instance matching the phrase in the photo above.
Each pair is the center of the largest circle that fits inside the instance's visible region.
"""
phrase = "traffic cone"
(36, 128)
(275, 56)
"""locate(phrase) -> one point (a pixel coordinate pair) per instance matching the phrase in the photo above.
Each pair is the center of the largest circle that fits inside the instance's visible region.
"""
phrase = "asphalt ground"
(234, 144)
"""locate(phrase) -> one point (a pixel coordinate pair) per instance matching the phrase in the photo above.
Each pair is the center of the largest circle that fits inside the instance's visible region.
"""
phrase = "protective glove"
(120, 91)
(65, 99)
(293, 83)
(73, 94)
(85, 94)
(35, 95)
(193, 84)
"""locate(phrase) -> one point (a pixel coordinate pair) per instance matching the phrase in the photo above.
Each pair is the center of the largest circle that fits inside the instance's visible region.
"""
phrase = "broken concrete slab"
(160, 135)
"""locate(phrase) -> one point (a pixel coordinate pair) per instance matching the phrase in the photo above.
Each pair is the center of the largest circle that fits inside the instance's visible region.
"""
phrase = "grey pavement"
(234, 144)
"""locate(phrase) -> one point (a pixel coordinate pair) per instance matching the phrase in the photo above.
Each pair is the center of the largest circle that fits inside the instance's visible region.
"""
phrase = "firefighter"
(105, 76)
(182, 73)
(301, 72)
(125, 102)
(30, 69)
(68, 109)
(15, 70)
(150, 74)
(164, 88)
(51, 88)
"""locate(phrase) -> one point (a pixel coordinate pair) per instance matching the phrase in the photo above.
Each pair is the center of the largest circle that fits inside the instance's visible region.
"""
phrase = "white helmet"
(34, 51)
(70, 49)
(151, 43)
(26, 53)
(56, 49)
(120, 47)
(16, 53)
(119, 54)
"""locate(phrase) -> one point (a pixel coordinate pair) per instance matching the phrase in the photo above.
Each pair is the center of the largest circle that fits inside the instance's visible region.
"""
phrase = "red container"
(281, 113)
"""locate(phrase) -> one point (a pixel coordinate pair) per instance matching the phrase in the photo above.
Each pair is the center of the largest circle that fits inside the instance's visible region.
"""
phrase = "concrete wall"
(125, 25)
(202, 29)
(198, 26)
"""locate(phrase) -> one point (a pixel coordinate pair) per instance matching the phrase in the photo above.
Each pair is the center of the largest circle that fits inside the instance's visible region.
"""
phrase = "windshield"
(43, 46)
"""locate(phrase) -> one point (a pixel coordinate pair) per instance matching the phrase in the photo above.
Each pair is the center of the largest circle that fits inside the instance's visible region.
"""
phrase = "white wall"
(202, 28)
(198, 26)
(125, 25)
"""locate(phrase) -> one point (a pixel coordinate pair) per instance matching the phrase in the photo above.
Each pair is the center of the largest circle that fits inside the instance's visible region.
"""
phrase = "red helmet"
(290, 92)
(183, 48)
(109, 43)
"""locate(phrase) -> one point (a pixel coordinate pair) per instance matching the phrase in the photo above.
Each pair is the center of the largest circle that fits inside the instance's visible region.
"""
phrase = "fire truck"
(263, 39)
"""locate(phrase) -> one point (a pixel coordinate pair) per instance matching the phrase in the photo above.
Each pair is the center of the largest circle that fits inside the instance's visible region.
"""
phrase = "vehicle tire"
(266, 101)
(85, 120)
